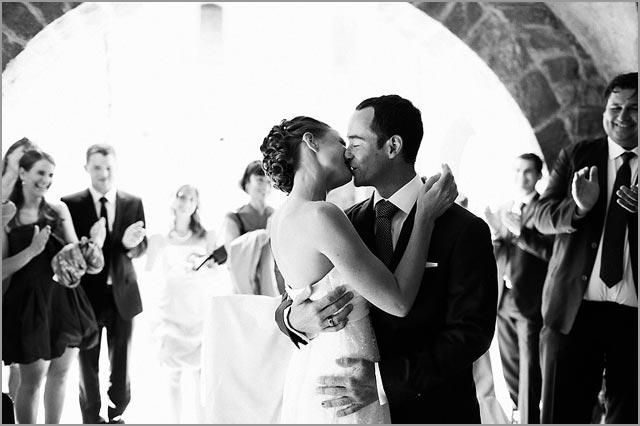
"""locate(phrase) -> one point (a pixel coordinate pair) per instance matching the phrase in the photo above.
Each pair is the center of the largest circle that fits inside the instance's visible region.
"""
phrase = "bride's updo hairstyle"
(280, 149)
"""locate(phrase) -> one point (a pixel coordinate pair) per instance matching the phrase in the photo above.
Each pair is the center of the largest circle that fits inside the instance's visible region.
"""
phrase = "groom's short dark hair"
(394, 115)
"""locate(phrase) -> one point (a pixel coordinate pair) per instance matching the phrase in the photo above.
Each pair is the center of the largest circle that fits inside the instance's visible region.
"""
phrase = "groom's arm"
(302, 319)
(469, 326)
(282, 313)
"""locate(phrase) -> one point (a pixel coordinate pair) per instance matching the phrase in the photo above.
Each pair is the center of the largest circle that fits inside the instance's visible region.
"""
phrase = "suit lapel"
(364, 221)
(89, 207)
(117, 220)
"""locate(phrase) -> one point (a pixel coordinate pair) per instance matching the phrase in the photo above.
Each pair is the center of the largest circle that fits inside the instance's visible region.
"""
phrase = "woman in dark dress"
(255, 214)
(44, 323)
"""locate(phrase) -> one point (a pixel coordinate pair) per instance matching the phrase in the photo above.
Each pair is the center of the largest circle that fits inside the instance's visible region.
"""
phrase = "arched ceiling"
(542, 52)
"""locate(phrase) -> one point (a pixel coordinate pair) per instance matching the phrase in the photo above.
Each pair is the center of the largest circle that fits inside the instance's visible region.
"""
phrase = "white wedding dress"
(301, 403)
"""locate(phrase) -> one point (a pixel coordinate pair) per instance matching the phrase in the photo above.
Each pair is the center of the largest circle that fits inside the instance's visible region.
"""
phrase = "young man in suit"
(590, 296)
(114, 292)
(425, 371)
(522, 253)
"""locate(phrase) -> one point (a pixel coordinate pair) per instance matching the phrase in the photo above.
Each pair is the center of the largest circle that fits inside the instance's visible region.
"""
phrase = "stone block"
(9, 51)
(17, 17)
(586, 123)
(567, 94)
(433, 9)
(51, 11)
(462, 18)
(528, 13)
(552, 138)
(562, 69)
(498, 45)
(536, 98)
(547, 43)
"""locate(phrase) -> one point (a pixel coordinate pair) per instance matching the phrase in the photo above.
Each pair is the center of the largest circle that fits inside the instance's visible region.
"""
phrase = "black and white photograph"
(319, 212)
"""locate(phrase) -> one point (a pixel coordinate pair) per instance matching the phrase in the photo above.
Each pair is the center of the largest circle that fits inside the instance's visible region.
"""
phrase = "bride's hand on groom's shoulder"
(353, 390)
(312, 317)
(439, 192)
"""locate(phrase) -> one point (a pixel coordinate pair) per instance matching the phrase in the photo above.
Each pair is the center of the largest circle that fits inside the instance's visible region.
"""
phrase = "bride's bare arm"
(337, 239)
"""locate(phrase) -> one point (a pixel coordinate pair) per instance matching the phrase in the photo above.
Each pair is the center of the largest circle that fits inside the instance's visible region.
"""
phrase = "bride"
(314, 244)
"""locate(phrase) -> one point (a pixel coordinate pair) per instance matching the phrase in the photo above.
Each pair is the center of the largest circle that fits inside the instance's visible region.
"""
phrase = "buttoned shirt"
(404, 199)
(624, 292)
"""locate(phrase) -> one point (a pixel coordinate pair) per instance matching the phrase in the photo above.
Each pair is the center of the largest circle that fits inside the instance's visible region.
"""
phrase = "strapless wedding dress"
(301, 403)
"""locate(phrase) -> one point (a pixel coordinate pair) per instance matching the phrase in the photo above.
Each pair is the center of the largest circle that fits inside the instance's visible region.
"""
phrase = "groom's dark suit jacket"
(426, 357)
(123, 275)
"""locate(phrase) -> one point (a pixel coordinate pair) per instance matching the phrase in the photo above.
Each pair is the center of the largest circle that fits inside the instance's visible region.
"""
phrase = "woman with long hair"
(44, 322)
(178, 255)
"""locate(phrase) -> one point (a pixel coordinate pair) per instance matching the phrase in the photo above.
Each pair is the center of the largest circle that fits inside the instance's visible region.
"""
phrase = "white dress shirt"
(404, 199)
(624, 292)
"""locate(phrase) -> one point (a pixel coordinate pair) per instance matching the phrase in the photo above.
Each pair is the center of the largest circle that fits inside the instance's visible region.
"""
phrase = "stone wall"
(21, 21)
(549, 74)
(544, 67)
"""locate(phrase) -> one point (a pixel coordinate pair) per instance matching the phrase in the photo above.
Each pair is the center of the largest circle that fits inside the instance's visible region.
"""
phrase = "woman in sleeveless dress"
(248, 218)
(44, 323)
(183, 295)
(10, 169)
(315, 244)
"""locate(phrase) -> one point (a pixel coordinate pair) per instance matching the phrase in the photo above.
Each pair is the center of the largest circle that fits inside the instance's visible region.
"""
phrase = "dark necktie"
(614, 229)
(106, 248)
(384, 243)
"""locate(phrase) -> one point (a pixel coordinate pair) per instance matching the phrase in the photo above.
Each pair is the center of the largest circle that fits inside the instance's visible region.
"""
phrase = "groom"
(425, 368)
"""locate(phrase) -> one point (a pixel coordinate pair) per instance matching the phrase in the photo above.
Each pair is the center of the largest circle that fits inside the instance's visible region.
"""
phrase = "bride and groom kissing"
(391, 303)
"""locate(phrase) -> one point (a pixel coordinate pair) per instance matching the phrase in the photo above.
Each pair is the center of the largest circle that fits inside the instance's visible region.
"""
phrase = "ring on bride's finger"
(330, 321)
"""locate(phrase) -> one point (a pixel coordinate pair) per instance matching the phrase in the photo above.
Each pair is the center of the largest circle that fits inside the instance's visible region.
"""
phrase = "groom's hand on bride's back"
(311, 317)
(353, 390)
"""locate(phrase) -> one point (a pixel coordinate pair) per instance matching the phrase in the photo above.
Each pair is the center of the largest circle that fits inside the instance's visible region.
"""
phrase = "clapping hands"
(98, 232)
(628, 198)
(40, 238)
(133, 235)
(585, 189)
(513, 221)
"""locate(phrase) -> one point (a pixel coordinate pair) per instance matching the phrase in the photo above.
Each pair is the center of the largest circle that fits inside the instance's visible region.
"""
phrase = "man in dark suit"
(425, 371)
(590, 296)
(114, 292)
(522, 253)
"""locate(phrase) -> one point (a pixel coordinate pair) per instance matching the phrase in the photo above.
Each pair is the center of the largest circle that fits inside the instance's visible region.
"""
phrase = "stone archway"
(546, 70)
(549, 74)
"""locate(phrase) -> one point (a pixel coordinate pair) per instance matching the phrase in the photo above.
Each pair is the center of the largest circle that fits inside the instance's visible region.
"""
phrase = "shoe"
(116, 421)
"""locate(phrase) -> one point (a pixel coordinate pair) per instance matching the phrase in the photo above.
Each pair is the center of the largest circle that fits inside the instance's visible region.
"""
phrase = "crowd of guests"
(568, 276)
(566, 261)
(58, 298)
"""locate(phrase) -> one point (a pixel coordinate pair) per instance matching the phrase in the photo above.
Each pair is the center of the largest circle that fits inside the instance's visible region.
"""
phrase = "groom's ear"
(310, 141)
(394, 146)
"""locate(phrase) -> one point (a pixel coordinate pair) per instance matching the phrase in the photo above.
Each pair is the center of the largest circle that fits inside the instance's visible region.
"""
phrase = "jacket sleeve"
(534, 242)
(279, 316)
(470, 321)
(553, 213)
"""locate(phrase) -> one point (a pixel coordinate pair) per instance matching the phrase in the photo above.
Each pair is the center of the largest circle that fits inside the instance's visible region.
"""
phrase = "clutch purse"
(75, 260)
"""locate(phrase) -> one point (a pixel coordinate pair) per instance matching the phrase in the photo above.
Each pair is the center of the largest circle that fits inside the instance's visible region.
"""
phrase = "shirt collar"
(110, 196)
(616, 150)
(405, 197)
